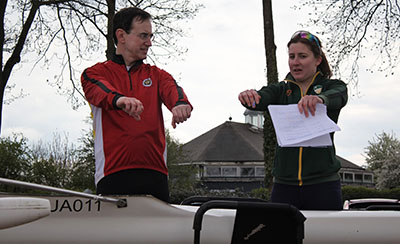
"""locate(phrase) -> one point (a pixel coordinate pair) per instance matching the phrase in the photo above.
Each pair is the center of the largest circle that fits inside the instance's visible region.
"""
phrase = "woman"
(306, 177)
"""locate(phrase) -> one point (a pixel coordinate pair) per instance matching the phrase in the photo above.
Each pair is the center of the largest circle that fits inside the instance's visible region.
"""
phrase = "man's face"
(138, 41)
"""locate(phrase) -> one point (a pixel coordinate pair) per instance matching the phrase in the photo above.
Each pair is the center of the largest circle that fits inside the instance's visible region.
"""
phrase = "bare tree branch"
(67, 52)
(15, 56)
(64, 33)
(353, 27)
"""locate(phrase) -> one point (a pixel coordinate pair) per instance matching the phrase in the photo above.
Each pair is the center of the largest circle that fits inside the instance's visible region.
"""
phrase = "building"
(354, 175)
(230, 156)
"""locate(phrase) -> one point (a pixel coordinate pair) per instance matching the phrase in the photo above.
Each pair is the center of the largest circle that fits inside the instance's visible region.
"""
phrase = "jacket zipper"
(130, 79)
(300, 179)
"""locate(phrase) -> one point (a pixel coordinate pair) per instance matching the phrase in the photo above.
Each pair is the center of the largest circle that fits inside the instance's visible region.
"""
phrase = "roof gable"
(347, 164)
(228, 142)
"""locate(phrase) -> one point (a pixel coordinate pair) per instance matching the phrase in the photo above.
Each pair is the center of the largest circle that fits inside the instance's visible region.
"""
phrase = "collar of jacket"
(117, 58)
(319, 76)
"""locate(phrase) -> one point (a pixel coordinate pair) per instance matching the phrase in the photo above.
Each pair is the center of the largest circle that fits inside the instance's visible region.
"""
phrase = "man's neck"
(128, 60)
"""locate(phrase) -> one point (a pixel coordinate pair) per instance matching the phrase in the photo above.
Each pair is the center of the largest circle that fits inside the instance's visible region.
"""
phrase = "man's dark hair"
(123, 19)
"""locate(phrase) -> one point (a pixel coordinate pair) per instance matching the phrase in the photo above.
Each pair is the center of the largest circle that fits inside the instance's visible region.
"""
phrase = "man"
(125, 96)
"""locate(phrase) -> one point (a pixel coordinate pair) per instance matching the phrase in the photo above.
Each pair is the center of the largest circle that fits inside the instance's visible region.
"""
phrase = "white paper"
(294, 129)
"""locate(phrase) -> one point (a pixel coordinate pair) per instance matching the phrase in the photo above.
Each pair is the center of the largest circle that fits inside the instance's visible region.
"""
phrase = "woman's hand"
(309, 103)
(249, 98)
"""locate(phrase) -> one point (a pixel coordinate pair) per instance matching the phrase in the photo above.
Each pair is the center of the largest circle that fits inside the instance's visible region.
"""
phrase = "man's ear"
(120, 34)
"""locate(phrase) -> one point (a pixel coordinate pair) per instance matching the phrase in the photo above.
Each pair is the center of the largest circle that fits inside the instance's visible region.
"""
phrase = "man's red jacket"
(121, 142)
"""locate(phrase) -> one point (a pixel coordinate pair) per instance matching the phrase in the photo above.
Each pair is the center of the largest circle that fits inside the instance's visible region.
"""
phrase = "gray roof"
(228, 142)
(347, 164)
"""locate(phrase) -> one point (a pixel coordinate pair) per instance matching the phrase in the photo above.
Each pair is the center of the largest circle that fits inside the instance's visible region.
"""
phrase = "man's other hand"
(180, 114)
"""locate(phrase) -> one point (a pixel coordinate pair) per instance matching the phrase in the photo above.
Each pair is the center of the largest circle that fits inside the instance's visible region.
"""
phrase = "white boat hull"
(144, 220)
(148, 220)
(16, 211)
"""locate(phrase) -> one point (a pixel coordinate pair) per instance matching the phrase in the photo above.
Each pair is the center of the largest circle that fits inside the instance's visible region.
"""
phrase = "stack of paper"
(295, 130)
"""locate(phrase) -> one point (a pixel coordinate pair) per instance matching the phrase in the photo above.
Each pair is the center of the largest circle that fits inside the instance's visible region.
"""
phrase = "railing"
(119, 202)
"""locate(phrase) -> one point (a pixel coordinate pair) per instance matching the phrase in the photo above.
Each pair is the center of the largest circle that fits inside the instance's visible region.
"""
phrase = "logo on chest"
(317, 89)
(147, 82)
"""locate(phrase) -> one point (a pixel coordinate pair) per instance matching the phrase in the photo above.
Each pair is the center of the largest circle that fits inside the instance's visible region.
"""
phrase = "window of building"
(368, 178)
(229, 171)
(234, 171)
(348, 177)
(212, 171)
(247, 171)
(358, 178)
(260, 171)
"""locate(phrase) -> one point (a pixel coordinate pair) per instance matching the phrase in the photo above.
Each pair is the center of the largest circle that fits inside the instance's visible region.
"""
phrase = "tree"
(352, 27)
(83, 169)
(47, 172)
(51, 163)
(48, 164)
(57, 163)
(73, 31)
(181, 178)
(389, 175)
(14, 159)
(383, 158)
(380, 148)
(60, 164)
(272, 77)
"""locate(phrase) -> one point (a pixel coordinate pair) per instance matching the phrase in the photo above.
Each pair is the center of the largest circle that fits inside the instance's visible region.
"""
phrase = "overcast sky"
(226, 56)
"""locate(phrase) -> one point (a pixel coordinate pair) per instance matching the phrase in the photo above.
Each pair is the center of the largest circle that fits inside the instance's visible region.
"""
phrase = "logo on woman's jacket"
(317, 89)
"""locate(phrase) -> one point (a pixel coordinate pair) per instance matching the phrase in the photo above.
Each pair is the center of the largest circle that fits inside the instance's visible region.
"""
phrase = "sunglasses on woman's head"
(308, 36)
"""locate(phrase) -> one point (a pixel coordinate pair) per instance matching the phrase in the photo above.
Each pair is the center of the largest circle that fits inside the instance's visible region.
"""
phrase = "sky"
(225, 56)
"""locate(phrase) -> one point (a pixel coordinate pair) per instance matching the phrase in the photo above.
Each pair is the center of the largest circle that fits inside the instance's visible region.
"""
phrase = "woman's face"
(302, 62)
